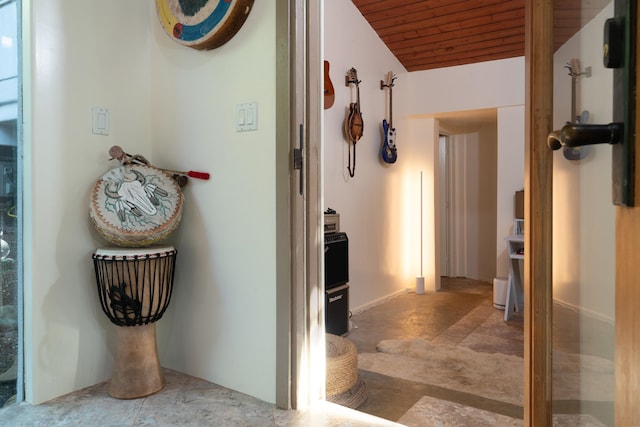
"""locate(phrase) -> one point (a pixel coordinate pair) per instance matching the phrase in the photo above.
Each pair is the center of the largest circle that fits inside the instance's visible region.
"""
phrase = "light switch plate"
(100, 120)
(247, 117)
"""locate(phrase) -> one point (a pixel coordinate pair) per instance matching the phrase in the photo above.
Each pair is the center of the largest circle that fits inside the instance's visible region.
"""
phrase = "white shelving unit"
(515, 289)
(518, 226)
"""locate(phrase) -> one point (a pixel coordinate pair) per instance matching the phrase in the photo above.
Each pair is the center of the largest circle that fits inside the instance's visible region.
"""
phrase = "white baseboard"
(585, 312)
(367, 306)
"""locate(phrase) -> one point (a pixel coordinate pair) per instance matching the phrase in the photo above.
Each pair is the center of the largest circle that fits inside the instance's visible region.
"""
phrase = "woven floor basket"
(352, 398)
(344, 386)
(342, 365)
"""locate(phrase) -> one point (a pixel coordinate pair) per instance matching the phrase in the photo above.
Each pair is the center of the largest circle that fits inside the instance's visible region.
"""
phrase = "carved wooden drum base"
(136, 371)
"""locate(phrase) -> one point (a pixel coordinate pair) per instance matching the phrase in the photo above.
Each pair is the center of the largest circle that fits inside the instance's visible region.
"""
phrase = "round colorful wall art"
(202, 24)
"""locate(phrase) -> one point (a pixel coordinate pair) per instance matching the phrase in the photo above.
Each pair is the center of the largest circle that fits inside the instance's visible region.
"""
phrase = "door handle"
(298, 159)
(620, 54)
(575, 135)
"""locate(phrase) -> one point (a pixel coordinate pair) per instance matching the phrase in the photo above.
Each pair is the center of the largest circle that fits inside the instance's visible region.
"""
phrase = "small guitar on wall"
(329, 93)
(389, 151)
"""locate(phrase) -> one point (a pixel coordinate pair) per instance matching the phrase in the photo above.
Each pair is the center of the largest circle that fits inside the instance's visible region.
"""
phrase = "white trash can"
(500, 286)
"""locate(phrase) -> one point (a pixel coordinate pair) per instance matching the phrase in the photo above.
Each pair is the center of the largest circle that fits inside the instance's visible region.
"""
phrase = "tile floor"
(462, 313)
(185, 401)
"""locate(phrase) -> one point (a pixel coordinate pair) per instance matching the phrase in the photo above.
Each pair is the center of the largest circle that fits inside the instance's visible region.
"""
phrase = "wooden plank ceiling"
(427, 34)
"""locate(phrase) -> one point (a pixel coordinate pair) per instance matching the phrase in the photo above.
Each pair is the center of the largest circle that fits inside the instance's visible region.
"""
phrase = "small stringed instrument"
(329, 94)
(576, 153)
(353, 124)
(389, 151)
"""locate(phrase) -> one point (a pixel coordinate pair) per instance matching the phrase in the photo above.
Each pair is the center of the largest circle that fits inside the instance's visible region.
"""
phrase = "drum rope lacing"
(126, 286)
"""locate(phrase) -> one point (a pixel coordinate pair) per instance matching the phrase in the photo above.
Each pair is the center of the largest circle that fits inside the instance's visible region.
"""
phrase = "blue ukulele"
(389, 151)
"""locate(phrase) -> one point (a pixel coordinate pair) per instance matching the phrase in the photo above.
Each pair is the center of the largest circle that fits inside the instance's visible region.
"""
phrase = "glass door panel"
(9, 286)
(583, 222)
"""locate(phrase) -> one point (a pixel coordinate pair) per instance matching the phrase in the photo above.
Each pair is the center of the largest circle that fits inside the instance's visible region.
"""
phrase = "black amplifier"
(336, 260)
(336, 309)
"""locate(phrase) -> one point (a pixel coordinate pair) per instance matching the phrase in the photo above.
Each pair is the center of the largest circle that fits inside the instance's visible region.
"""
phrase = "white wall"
(510, 178)
(490, 84)
(371, 203)
(223, 315)
(493, 84)
(379, 207)
(176, 106)
(68, 340)
(423, 136)
(584, 216)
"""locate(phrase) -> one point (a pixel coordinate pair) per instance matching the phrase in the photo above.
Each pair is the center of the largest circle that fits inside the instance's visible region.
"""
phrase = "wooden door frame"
(538, 212)
(300, 348)
(538, 245)
(627, 327)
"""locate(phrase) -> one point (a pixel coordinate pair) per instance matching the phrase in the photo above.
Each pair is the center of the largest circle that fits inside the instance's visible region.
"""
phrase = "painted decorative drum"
(134, 288)
(202, 24)
(135, 205)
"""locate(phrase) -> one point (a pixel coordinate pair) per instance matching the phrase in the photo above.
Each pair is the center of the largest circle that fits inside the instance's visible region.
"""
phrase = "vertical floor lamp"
(420, 279)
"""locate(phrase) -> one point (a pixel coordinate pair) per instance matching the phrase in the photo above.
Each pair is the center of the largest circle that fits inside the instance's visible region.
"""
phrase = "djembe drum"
(134, 287)
(135, 206)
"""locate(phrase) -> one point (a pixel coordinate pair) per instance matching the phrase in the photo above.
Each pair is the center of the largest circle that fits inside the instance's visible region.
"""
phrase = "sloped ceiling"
(427, 34)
